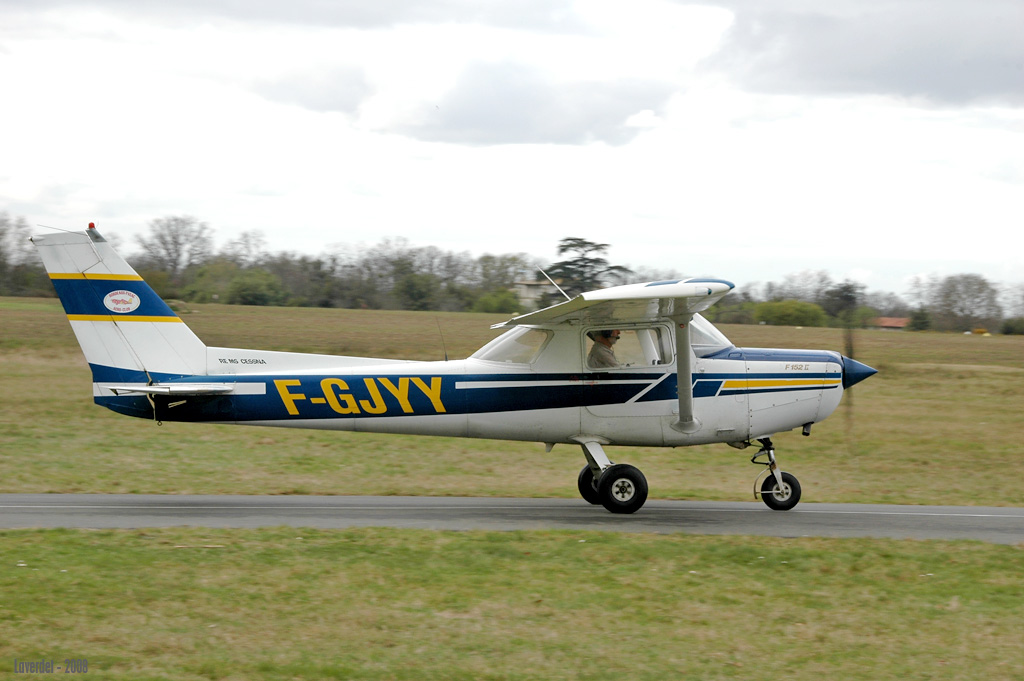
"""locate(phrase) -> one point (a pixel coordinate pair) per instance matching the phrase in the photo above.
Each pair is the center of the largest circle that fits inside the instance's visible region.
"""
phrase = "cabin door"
(628, 381)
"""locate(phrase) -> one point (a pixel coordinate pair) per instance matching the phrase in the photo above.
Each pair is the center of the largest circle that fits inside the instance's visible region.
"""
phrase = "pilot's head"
(608, 336)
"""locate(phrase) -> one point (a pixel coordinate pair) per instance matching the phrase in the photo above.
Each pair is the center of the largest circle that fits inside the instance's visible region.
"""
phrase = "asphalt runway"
(988, 524)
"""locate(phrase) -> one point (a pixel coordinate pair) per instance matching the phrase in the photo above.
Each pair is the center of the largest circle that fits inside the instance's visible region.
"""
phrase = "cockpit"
(634, 346)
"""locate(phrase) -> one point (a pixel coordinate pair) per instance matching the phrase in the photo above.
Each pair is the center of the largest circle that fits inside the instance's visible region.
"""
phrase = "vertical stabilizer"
(127, 332)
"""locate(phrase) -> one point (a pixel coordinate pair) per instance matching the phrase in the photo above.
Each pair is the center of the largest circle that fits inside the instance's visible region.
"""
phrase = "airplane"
(676, 380)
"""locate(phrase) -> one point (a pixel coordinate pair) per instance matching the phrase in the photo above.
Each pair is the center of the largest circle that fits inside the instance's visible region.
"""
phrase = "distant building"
(532, 293)
(890, 323)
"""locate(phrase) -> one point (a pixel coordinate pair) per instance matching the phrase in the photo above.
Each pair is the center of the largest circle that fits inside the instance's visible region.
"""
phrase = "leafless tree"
(808, 286)
(1013, 297)
(175, 243)
(21, 271)
(963, 302)
(248, 250)
(15, 248)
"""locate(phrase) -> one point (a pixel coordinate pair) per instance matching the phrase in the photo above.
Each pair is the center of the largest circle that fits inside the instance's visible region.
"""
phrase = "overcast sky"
(744, 139)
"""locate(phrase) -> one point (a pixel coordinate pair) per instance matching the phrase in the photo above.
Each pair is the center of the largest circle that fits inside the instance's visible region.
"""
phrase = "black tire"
(784, 499)
(588, 486)
(622, 488)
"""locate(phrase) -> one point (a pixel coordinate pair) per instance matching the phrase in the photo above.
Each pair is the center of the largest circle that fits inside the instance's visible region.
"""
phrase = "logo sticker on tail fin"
(121, 302)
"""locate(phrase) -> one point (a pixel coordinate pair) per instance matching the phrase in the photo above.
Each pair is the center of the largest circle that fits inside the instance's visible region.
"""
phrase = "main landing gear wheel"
(780, 498)
(622, 488)
(588, 486)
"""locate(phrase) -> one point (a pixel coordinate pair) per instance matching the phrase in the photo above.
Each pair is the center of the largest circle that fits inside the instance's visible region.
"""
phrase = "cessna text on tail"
(629, 365)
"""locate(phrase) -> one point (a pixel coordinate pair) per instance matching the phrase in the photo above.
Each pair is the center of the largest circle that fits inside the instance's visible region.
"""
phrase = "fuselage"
(512, 389)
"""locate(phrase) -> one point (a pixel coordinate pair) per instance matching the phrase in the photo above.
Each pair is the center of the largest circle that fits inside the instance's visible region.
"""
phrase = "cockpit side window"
(627, 348)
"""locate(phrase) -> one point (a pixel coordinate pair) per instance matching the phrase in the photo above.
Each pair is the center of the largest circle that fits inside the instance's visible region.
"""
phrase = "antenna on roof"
(439, 331)
(56, 228)
(554, 284)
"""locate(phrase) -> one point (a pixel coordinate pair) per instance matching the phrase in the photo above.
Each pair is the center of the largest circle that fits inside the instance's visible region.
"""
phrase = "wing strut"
(554, 284)
(687, 422)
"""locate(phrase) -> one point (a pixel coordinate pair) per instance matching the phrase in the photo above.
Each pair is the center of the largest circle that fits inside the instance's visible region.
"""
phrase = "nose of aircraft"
(854, 372)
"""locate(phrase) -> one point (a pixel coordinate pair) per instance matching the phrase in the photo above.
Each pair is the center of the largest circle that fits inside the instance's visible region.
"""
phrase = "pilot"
(601, 353)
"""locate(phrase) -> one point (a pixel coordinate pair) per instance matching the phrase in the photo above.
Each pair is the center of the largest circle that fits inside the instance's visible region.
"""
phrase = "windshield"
(521, 345)
(705, 338)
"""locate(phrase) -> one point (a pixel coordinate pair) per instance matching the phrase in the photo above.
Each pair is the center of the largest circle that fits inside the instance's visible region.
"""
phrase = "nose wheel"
(780, 491)
(780, 497)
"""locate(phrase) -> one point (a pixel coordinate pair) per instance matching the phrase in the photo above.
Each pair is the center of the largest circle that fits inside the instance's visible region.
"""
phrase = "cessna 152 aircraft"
(674, 379)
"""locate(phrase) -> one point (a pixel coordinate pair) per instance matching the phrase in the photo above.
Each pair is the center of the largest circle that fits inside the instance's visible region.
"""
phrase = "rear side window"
(521, 345)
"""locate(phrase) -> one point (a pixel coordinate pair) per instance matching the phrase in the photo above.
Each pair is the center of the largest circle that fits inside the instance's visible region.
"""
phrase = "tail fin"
(127, 332)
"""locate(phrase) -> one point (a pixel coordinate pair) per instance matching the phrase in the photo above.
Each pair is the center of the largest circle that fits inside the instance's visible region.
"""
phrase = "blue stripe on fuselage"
(381, 396)
(776, 355)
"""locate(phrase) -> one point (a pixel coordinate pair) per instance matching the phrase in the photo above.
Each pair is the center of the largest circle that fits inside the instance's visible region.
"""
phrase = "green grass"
(939, 424)
(395, 604)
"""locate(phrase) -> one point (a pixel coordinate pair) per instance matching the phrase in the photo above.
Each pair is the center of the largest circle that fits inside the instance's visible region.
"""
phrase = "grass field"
(938, 424)
(393, 604)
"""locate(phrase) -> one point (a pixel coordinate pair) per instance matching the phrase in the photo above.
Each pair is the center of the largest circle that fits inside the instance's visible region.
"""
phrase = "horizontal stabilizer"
(183, 389)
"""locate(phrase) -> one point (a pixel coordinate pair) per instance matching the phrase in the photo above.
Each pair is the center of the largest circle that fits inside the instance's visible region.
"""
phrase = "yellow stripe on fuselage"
(743, 383)
(95, 276)
(119, 318)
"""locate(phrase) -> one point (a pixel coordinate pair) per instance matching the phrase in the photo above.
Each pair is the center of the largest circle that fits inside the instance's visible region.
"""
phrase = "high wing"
(678, 299)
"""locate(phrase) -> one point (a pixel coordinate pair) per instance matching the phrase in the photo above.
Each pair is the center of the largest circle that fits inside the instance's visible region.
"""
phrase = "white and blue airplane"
(674, 379)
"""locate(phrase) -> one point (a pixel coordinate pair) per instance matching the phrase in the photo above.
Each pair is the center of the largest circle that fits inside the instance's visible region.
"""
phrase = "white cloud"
(941, 51)
(508, 127)
(510, 103)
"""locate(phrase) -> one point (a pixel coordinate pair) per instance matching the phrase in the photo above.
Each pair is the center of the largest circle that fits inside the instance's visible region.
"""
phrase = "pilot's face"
(614, 337)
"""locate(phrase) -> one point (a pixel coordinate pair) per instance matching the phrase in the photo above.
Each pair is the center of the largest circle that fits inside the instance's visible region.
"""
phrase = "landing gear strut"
(779, 491)
(620, 488)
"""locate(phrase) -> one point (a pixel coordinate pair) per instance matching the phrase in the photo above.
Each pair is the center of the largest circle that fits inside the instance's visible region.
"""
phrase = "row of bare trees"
(179, 258)
(960, 302)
